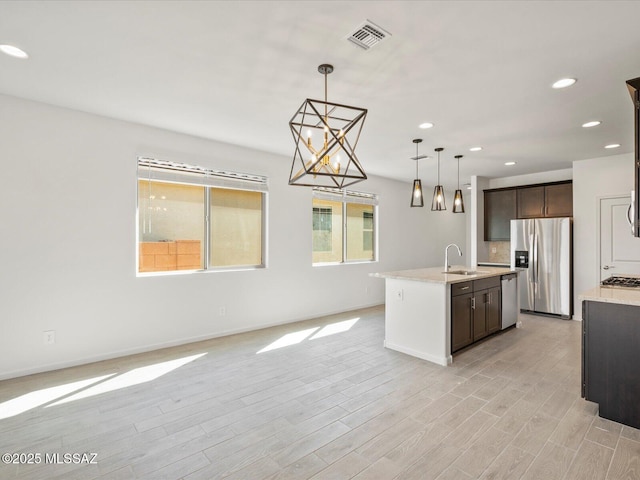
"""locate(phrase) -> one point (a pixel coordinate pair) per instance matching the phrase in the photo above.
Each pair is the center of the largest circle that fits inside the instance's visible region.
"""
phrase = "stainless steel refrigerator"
(541, 250)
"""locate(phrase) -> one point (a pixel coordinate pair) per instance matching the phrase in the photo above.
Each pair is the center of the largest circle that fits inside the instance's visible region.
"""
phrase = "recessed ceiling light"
(612, 145)
(426, 125)
(564, 83)
(13, 51)
(475, 149)
(508, 164)
(594, 123)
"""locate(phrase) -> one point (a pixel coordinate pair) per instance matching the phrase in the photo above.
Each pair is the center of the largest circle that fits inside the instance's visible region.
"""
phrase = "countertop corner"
(436, 275)
(612, 295)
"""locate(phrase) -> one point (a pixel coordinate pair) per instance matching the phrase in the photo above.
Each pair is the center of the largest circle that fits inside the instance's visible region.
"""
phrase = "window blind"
(348, 196)
(173, 172)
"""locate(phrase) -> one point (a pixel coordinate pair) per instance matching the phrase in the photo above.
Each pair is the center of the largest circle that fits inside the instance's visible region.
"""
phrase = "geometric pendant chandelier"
(326, 135)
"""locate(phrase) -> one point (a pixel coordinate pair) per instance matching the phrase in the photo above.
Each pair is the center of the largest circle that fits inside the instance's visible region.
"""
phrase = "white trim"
(444, 361)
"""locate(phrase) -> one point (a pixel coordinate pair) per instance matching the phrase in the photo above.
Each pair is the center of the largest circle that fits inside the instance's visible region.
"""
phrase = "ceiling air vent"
(368, 35)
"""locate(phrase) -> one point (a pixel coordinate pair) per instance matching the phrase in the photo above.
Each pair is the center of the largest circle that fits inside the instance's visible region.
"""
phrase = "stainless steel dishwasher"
(509, 299)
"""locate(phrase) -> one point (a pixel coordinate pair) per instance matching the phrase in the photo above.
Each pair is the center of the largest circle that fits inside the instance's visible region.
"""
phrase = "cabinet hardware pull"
(473, 303)
(464, 288)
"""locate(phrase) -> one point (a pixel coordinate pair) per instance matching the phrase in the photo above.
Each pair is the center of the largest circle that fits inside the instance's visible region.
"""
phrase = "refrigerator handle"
(535, 258)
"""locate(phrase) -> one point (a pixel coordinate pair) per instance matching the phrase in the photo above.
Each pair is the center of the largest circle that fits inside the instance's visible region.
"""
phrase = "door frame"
(598, 266)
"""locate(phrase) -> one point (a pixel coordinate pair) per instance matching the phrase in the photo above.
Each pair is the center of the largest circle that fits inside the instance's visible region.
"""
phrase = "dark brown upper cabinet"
(499, 210)
(531, 202)
(558, 200)
(528, 201)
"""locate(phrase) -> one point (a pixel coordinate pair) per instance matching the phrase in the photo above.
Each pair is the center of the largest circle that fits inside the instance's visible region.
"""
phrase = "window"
(322, 229)
(191, 218)
(344, 226)
(327, 231)
(235, 227)
(367, 230)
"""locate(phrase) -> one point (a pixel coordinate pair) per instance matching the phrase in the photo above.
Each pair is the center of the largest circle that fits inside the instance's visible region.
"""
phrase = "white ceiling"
(236, 72)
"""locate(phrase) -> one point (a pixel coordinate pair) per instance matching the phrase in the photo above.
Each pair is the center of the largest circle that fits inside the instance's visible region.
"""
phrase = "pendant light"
(417, 198)
(438, 202)
(458, 203)
(330, 161)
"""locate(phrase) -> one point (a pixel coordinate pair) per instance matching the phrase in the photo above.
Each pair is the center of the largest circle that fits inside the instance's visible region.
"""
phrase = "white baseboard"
(158, 346)
(444, 361)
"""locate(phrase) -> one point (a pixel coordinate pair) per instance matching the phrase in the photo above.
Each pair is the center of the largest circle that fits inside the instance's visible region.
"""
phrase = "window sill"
(210, 270)
(353, 262)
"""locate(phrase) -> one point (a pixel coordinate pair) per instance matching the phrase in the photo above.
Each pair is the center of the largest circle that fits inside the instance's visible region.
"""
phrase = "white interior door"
(619, 249)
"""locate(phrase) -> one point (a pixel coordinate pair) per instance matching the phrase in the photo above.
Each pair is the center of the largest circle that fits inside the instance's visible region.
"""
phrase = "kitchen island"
(418, 307)
(611, 352)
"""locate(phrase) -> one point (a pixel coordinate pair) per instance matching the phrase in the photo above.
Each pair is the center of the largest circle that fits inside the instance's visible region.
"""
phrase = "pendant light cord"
(325, 95)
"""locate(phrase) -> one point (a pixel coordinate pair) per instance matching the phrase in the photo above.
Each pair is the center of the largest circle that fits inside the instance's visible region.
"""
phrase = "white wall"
(531, 178)
(592, 180)
(479, 248)
(67, 208)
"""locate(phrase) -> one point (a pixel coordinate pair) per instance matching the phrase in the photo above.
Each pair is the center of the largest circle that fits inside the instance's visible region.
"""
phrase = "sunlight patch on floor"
(130, 378)
(35, 399)
(289, 339)
(294, 338)
(334, 328)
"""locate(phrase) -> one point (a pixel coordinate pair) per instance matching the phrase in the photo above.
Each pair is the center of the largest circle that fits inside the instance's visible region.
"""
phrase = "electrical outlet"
(400, 294)
(222, 311)
(494, 249)
(49, 337)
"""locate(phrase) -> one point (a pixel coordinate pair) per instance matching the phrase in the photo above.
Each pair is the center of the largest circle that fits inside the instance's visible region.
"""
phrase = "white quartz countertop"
(626, 296)
(436, 275)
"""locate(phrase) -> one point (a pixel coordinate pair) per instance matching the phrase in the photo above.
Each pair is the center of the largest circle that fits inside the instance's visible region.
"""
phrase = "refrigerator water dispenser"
(522, 259)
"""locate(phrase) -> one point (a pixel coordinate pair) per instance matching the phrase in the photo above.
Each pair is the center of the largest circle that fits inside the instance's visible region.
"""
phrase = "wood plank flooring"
(331, 405)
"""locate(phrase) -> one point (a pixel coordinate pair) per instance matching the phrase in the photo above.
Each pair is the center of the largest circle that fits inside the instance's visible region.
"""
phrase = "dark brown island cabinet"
(611, 360)
(476, 311)
(530, 201)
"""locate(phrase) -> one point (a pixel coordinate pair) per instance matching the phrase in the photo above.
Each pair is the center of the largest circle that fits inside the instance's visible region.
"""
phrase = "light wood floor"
(331, 407)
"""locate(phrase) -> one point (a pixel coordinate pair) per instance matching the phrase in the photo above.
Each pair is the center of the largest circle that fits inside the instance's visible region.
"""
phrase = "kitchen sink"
(465, 272)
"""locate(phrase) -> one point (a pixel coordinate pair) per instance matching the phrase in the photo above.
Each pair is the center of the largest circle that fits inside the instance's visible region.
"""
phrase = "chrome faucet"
(446, 255)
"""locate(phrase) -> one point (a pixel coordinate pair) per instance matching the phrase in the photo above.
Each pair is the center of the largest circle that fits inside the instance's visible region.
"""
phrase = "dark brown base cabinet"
(611, 360)
(476, 311)
(461, 320)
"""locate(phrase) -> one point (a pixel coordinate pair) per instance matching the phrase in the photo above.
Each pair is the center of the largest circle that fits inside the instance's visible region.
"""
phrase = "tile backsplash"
(499, 252)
